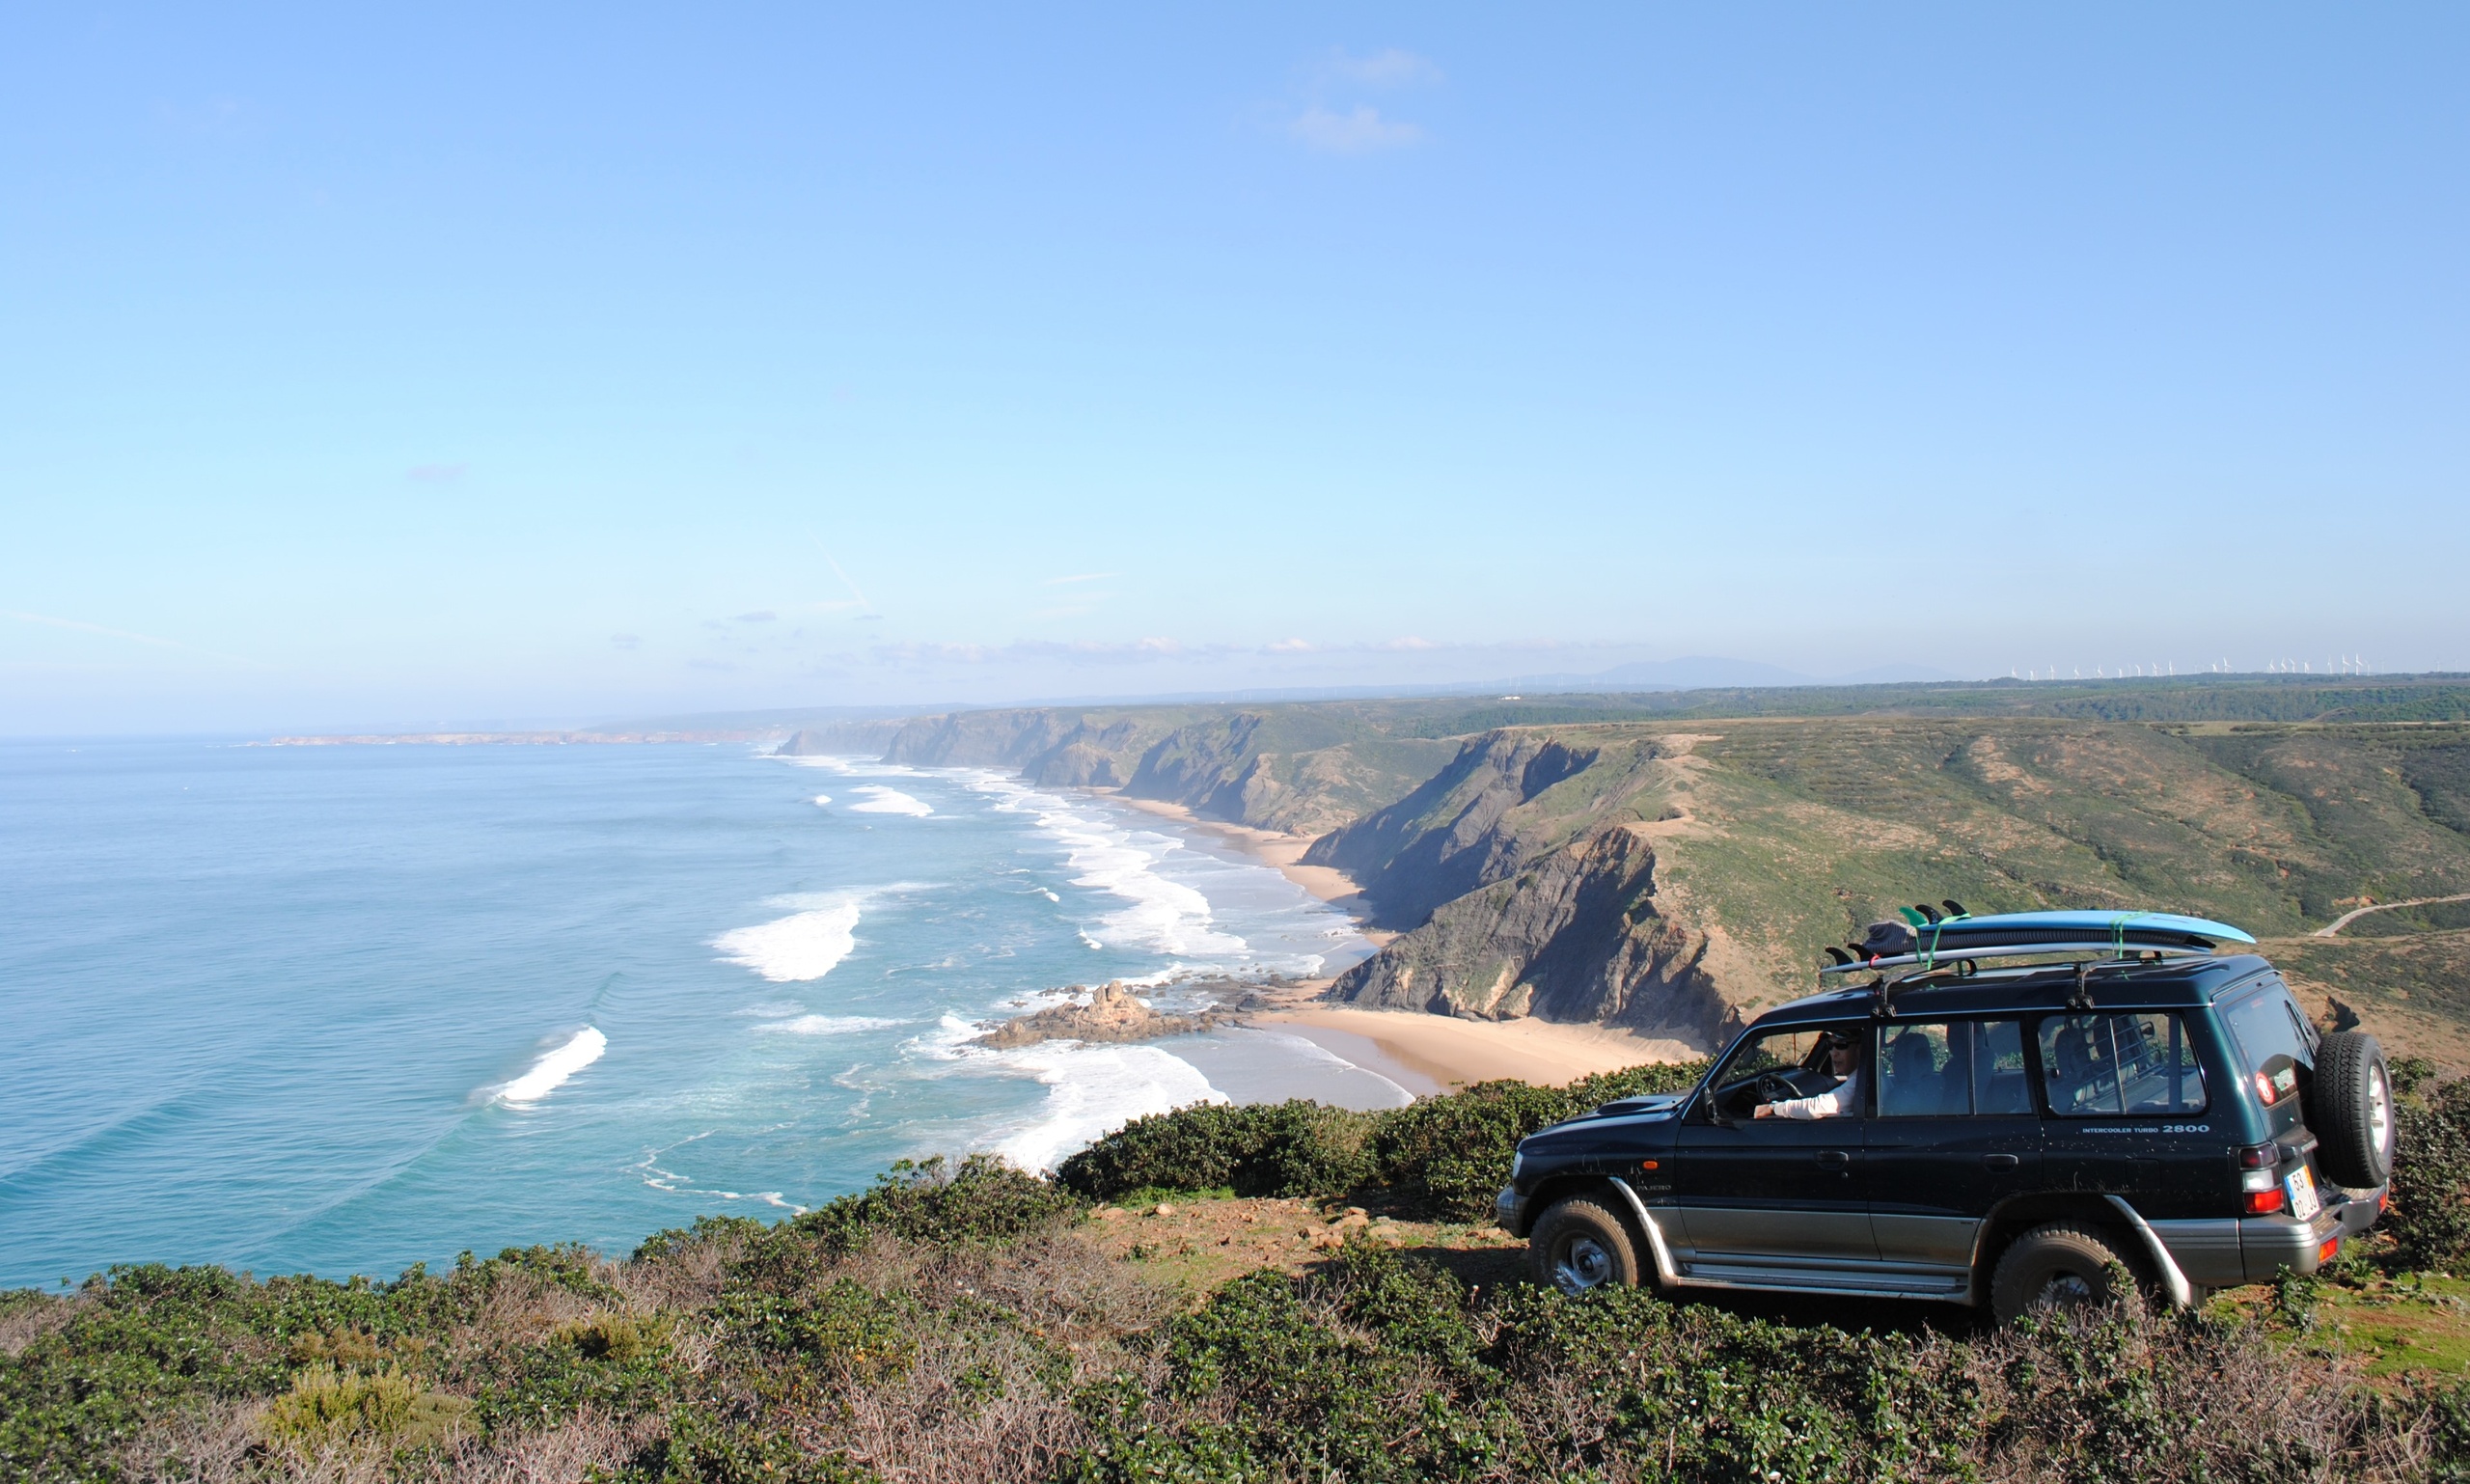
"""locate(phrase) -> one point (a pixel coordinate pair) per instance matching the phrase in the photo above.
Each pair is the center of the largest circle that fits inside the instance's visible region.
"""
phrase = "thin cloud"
(1058, 582)
(862, 598)
(1360, 130)
(1390, 67)
(436, 473)
(758, 615)
(80, 626)
(625, 641)
(1085, 651)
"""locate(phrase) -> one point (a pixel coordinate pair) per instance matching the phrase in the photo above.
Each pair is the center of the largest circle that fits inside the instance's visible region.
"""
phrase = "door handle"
(2000, 1161)
(1834, 1157)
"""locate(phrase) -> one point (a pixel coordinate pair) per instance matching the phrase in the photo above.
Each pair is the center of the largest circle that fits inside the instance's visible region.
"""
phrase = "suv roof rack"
(1927, 941)
(2118, 935)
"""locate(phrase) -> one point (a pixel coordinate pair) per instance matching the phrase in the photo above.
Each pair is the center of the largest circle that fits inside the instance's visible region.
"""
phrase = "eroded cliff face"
(842, 739)
(1574, 936)
(1244, 767)
(1461, 829)
(1057, 748)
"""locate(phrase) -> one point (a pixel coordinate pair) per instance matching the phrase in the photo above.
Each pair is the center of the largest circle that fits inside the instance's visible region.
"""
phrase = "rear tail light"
(2259, 1169)
(2327, 1252)
(2265, 1202)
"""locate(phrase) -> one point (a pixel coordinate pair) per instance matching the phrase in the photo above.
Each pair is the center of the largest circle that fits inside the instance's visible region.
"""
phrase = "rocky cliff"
(1287, 768)
(1574, 936)
(1678, 872)
(843, 739)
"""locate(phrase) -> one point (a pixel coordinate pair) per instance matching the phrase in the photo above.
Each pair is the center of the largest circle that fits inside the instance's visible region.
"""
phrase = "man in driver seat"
(1844, 1062)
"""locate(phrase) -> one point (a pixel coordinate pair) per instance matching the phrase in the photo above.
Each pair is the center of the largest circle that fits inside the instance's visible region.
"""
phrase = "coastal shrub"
(1449, 1156)
(1380, 1368)
(326, 1405)
(1443, 1156)
(705, 1448)
(982, 1199)
(2430, 1216)
(1291, 1149)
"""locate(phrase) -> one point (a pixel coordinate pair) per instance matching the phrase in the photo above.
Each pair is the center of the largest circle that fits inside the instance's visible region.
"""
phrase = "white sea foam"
(675, 1184)
(805, 945)
(828, 1025)
(1163, 915)
(551, 1071)
(889, 801)
(821, 800)
(1092, 1089)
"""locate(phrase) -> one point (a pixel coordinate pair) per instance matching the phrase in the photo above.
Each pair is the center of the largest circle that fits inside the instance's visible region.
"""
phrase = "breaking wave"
(803, 946)
(584, 1047)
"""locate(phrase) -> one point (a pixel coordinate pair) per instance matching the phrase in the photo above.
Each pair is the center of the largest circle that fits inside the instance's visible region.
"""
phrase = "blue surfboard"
(2025, 934)
(2044, 925)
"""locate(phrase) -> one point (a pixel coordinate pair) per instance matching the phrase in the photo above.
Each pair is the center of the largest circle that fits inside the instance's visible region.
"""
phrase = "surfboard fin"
(1838, 956)
(1955, 908)
(1929, 913)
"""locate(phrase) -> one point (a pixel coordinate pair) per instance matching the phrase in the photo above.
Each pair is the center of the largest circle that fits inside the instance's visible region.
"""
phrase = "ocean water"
(343, 1009)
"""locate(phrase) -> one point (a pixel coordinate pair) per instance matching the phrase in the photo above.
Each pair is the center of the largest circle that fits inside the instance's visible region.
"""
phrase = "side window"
(2000, 1081)
(1788, 1061)
(2120, 1064)
(2269, 1031)
(1951, 1069)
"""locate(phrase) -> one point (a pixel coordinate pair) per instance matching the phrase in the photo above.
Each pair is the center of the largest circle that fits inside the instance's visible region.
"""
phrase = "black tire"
(2062, 1263)
(2353, 1117)
(1579, 1245)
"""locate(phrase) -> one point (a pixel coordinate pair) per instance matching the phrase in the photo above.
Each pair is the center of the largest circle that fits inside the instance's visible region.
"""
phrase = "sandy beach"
(1439, 1053)
(1424, 1054)
(1273, 849)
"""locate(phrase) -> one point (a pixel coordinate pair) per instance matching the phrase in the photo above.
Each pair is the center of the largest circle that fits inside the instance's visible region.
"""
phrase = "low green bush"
(1380, 1368)
(326, 1405)
(1291, 1149)
(2429, 1215)
(1440, 1156)
(978, 1200)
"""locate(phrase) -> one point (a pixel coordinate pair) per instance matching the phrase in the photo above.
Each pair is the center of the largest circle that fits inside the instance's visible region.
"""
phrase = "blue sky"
(453, 365)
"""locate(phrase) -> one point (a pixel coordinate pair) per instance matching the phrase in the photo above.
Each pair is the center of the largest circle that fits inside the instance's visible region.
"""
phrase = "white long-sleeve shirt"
(1843, 1098)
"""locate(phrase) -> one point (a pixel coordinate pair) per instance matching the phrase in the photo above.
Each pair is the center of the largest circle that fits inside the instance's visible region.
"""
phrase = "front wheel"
(1579, 1245)
(2061, 1265)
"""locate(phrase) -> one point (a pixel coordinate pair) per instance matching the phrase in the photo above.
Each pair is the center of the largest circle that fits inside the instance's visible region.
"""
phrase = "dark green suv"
(2009, 1135)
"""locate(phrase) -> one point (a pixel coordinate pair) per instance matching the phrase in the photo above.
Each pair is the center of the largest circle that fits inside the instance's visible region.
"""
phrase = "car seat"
(1916, 1088)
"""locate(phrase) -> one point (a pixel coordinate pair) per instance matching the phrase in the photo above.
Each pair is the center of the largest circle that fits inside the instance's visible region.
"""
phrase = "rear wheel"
(2354, 1110)
(1579, 1245)
(2057, 1266)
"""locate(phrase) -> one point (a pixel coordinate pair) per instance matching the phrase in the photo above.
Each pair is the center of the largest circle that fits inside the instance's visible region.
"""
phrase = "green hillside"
(1671, 859)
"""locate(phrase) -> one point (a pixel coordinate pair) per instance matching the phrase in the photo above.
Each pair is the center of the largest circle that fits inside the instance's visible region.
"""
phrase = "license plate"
(2303, 1203)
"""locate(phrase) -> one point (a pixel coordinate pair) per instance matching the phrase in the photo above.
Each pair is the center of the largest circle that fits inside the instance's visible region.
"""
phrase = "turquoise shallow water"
(343, 1009)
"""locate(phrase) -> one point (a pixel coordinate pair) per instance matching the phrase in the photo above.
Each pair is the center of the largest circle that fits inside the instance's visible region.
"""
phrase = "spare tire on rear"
(2353, 1117)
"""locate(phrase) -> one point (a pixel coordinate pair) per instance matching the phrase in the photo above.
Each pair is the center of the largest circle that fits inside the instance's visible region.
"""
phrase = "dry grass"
(30, 1319)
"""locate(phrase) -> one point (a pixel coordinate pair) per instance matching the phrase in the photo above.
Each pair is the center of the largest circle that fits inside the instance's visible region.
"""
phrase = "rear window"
(2119, 1064)
(2274, 1040)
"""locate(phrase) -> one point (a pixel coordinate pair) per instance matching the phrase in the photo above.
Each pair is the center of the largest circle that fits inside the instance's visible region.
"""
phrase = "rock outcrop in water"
(1111, 1014)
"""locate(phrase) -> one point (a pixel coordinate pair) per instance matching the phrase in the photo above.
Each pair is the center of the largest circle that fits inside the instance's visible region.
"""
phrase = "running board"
(1866, 1281)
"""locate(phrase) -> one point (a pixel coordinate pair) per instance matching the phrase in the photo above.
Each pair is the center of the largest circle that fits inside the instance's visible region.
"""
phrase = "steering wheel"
(1773, 1088)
